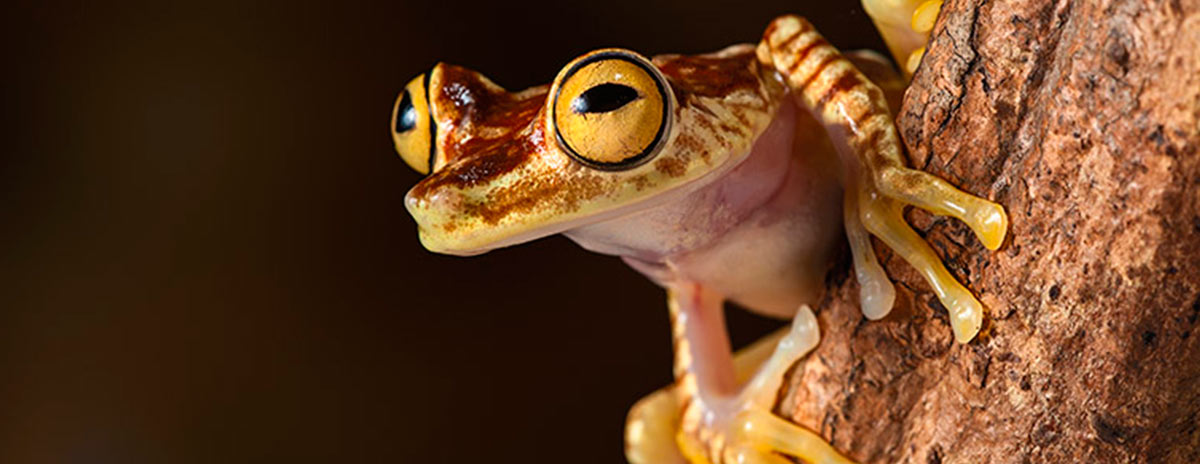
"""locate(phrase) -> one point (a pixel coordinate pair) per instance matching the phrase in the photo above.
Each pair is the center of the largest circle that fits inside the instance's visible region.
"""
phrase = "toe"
(650, 430)
(760, 430)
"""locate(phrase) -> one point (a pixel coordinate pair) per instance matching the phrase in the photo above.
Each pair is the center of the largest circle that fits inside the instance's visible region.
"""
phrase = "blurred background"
(205, 257)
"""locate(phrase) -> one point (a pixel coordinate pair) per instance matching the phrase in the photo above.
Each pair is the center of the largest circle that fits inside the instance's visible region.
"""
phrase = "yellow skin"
(905, 26)
(726, 176)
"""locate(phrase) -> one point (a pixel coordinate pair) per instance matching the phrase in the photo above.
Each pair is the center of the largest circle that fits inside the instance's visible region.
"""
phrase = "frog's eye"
(611, 109)
(412, 127)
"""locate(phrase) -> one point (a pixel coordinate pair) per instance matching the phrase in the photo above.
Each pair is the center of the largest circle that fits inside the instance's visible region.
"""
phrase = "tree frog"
(725, 176)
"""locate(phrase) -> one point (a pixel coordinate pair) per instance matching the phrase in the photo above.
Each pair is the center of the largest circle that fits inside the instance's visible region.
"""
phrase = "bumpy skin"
(739, 201)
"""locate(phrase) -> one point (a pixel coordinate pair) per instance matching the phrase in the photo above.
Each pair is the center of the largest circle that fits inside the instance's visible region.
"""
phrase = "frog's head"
(614, 132)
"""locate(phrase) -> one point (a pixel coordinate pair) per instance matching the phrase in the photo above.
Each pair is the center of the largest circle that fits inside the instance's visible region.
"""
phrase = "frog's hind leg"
(654, 422)
(724, 404)
(759, 435)
(855, 112)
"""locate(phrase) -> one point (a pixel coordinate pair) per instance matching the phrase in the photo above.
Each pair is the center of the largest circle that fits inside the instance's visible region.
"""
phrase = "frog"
(731, 176)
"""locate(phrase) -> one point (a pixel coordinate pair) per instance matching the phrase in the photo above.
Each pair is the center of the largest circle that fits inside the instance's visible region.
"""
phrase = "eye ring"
(664, 94)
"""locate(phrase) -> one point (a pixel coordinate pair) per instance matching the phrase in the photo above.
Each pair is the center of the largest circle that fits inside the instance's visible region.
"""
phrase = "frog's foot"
(650, 430)
(905, 26)
(855, 111)
(653, 423)
(725, 410)
(881, 212)
(755, 435)
(879, 194)
(867, 210)
(741, 428)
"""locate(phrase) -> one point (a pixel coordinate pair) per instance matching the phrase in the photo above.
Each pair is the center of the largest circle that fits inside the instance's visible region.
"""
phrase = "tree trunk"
(1082, 118)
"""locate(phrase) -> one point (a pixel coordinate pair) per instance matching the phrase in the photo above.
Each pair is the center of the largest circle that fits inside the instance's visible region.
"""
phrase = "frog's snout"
(440, 225)
(420, 202)
(432, 210)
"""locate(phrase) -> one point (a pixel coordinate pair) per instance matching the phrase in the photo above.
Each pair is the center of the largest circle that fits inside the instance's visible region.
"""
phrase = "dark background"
(205, 255)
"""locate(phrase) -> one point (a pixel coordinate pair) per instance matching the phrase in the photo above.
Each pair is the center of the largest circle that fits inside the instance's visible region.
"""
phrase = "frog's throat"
(709, 209)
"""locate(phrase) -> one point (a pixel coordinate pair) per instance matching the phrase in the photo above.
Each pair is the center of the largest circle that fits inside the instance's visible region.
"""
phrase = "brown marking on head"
(730, 128)
(564, 194)
(688, 141)
(483, 161)
(707, 125)
(671, 166)
(640, 182)
(473, 114)
(715, 77)
(709, 76)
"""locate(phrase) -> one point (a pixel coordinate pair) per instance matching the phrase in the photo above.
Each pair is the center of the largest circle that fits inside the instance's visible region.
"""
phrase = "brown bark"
(1081, 118)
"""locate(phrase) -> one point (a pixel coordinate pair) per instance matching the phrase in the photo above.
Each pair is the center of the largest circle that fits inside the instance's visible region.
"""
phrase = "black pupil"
(406, 115)
(603, 98)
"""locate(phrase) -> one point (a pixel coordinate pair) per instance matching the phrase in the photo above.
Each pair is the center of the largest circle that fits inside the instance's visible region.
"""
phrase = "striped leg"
(856, 114)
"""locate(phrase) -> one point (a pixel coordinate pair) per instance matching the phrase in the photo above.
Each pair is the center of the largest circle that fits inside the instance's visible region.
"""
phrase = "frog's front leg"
(719, 409)
(878, 184)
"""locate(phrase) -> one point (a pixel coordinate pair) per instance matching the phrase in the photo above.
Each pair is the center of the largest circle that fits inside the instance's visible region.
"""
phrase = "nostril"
(413, 202)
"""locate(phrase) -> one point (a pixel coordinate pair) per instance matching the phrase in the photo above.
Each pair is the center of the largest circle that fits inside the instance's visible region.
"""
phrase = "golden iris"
(412, 126)
(610, 109)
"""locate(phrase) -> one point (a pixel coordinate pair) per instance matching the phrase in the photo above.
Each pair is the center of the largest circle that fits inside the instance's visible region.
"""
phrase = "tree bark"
(1082, 118)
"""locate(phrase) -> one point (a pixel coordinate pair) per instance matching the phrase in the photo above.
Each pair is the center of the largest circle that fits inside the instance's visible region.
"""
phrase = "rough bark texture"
(1081, 118)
